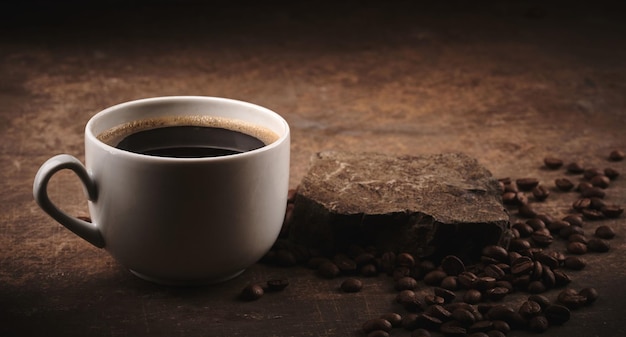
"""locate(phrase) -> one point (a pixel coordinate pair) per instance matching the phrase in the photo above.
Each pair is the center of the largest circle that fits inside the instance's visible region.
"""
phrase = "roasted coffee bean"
(518, 245)
(598, 245)
(548, 278)
(524, 229)
(591, 294)
(501, 326)
(406, 283)
(575, 168)
(285, 258)
(374, 324)
(405, 260)
(450, 283)
(574, 263)
(566, 232)
(409, 300)
(546, 259)
(563, 184)
(557, 314)
(577, 238)
(611, 173)
(526, 211)
(452, 265)
(495, 252)
(530, 309)
(351, 285)
(593, 192)
(605, 232)
(581, 204)
(467, 279)
(542, 240)
(591, 172)
(616, 155)
(431, 299)
(600, 180)
(453, 331)
(472, 296)
(583, 185)
(574, 220)
(400, 272)
(328, 269)
(596, 203)
(509, 198)
(364, 258)
(505, 284)
(557, 225)
(464, 316)
(345, 263)
(394, 318)
(405, 296)
(536, 224)
(481, 327)
(495, 333)
(612, 211)
(536, 287)
(542, 300)
(496, 294)
(494, 271)
(409, 321)
(446, 294)
(420, 333)
(526, 184)
(561, 278)
(576, 248)
(427, 321)
(252, 292)
(277, 284)
(435, 277)
(522, 265)
(438, 311)
(572, 300)
(369, 270)
(541, 193)
(538, 324)
(592, 214)
(500, 312)
(484, 283)
(552, 163)
(388, 262)
(378, 333)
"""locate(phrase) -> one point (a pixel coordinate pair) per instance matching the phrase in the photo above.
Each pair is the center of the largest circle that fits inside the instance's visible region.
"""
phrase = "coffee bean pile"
(468, 298)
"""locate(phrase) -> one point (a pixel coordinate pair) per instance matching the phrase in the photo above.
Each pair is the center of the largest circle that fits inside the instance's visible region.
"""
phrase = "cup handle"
(84, 229)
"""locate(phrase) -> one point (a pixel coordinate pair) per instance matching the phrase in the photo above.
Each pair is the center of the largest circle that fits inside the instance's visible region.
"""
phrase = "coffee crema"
(188, 136)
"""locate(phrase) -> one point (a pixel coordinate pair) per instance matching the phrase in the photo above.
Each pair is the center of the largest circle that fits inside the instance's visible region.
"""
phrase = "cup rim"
(89, 134)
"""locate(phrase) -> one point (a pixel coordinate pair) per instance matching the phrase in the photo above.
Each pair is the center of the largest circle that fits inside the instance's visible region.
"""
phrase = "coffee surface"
(188, 136)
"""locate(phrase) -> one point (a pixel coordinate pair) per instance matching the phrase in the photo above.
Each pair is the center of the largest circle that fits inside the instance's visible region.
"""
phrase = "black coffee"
(189, 142)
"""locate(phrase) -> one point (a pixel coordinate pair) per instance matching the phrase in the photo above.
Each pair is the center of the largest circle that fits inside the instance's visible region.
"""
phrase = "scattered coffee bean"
(541, 193)
(493, 270)
(574, 263)
(612, 211)
(496, 294)
(557, 314)
(252, 292)
(388, 262)
(369, 270)
(616, 155)
(592, 172)
(446, 294)
(431, 299)
(394, 318)
(351, 285)
(553, 163)
(538, 324)
(328, 269)
(452, 265)
(406, 283)
(427, 321)
(560, 278)
(597, 203)
(592, 214)
(526, 211)
(438, 311)
(536, 287)
(590, 293)
(522, 265)
(542, 300)
(496, 252)
(572, 299)
(435, 277)
(566, 232)
(578, 238)
(601, 181)
(581, 204)
(526, 184)
(563, 184)
(541, 239)
(605, 232)
(277, 284)
(495, 333)
(593, 192)
(409, 300)
(575, 167)
(557, 226)
(400, 272)
(598, 245)
(464, 316)
(611, 173)
(472, 296)
(374, 324)
(467, 280)
(574, 220)
(345, 263)
(583, 186)
(576, 248)
(529, 309)
(405, 260)
(449, 283)
(524, 229)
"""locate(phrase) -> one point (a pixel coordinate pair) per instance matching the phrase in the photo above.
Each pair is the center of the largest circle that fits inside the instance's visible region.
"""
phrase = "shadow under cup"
(182, 219)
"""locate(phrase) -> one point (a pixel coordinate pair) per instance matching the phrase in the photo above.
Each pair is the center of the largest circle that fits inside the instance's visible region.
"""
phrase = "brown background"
(507, 83)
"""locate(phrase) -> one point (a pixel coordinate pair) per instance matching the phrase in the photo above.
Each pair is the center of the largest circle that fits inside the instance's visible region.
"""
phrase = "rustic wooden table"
(506, 83)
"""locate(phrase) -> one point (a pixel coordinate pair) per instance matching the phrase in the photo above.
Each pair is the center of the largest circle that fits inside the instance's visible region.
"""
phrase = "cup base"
(184, 283)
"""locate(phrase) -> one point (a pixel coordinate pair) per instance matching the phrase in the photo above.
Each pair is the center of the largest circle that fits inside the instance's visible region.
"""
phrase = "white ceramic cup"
(178, 221)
